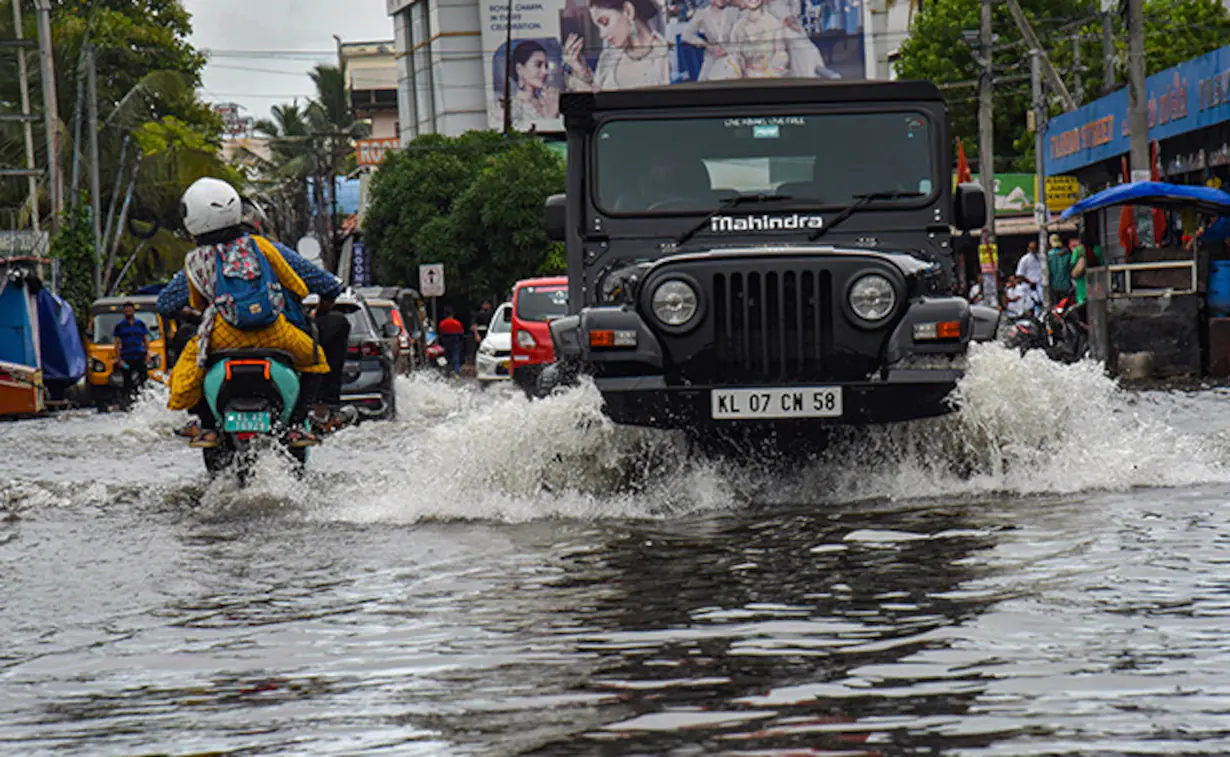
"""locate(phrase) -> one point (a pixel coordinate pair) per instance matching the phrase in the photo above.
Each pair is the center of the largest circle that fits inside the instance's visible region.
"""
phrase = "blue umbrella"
(1157, 194)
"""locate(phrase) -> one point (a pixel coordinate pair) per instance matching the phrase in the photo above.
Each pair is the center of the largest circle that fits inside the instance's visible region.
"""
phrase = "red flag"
(1127, 220)
(1159, 217)
(963, 172)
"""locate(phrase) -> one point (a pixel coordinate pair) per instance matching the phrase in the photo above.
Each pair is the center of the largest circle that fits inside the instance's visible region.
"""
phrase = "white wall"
(886, 25)
(439, 68)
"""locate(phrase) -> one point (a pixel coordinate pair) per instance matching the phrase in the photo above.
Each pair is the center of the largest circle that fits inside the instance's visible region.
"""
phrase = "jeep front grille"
(774, 325)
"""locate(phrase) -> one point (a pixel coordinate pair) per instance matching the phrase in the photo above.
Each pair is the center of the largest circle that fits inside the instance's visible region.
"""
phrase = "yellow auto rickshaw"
(105, 382)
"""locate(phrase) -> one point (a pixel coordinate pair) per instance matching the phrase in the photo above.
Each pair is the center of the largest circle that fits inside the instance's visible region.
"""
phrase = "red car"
(536, 302)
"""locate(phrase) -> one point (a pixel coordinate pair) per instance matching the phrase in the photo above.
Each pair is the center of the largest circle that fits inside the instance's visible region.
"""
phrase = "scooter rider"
(332, 328)
(213, 213)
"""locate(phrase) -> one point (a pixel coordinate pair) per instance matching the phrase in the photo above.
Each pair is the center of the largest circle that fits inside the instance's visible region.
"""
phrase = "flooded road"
(1046, 572)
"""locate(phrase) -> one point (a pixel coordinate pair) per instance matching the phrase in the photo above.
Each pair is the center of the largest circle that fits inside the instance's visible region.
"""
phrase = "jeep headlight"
(675, 302)
(873, 297)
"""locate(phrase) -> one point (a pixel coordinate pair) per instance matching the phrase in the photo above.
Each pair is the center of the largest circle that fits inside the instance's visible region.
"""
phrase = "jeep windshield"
(690, 165)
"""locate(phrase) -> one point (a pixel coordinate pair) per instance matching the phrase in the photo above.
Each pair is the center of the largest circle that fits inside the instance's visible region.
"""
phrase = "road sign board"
(1062, 192)
(431, 280)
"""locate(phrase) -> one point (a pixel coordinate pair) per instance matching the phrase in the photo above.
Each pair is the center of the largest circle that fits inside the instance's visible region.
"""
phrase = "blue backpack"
(249, 295)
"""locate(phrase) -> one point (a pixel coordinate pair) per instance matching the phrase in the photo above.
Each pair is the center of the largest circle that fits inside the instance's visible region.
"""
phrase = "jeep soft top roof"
(747, 92)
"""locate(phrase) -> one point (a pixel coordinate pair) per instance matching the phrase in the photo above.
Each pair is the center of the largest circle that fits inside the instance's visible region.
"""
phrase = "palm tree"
(292, 164)
(332, 121)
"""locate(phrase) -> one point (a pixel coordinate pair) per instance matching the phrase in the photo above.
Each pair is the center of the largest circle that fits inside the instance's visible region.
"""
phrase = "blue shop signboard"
(1190, 96)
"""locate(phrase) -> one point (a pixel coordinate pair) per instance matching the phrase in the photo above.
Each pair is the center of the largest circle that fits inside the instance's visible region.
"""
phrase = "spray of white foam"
(494, 454)
(1026, 425)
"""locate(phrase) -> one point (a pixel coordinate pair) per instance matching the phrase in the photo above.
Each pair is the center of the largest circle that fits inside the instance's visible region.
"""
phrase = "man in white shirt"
(1030, 269)
(1019, 294)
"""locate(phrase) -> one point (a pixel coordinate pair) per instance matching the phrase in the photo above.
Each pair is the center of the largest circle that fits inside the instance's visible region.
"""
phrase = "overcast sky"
(258, 35)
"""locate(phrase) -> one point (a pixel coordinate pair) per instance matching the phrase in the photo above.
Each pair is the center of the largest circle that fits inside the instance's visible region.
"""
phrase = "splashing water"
(1025, 425)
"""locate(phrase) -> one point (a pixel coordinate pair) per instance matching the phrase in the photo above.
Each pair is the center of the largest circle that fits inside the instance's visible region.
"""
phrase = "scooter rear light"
(245, 436)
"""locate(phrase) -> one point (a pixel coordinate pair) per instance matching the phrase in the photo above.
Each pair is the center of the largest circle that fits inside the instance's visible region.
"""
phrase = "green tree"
(415, 186)
(474, 203)
(73, 246)
(1176, 30)
(497, 225)
(147, 72)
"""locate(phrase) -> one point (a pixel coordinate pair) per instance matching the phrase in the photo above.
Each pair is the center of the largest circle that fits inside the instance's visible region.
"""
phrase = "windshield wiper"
(861, 201)
(727, 203)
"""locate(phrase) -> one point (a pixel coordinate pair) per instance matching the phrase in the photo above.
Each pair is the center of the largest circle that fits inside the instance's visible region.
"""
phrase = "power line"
(256, 70)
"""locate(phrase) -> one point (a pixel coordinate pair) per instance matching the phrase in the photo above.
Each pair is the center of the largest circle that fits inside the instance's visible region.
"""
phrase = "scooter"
(436, 356)
(1059, 333)
(252, 393)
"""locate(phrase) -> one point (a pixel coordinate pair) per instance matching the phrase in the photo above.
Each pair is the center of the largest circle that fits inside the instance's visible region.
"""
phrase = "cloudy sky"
(255, 42)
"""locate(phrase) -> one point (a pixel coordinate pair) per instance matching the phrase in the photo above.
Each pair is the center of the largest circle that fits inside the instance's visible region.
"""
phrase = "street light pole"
(508, 52)
(23, 78)
(1138, 114)
(986, 126)
(1035, 69)
(51, 113)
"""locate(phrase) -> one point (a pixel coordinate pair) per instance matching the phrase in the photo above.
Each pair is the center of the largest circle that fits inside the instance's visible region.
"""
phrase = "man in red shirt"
(452, 339)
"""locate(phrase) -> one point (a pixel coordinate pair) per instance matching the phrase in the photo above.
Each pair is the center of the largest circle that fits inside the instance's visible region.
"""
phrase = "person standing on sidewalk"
(1029, 267)
(452, 339)
(1059, 263)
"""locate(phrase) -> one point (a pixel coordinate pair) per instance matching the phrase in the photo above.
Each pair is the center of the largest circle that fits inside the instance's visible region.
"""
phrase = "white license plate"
(774, 404)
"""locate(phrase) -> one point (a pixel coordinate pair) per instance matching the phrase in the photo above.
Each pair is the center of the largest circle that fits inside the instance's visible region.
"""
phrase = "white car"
(495, 353)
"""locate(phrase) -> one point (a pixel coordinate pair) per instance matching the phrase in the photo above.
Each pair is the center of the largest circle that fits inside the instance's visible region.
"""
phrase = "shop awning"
(1156, 194)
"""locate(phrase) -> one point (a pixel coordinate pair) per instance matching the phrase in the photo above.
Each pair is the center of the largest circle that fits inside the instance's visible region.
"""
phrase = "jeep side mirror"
(557, 217)
(970, 209)
(390, 330)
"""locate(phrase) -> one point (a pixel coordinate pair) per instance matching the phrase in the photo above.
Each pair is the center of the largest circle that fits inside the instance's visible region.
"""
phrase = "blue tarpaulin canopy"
(63, 354)
(1156, 194)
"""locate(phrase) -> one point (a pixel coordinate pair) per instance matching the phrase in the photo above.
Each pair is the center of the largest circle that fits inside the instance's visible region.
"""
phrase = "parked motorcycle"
(252, 393)
(436, 357)
(1058, 332)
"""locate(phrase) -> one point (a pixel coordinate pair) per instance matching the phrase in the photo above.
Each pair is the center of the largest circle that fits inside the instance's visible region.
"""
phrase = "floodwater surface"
(1045, 572)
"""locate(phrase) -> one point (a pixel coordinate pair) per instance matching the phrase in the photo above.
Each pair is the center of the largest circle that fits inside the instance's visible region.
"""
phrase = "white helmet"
(210, 205)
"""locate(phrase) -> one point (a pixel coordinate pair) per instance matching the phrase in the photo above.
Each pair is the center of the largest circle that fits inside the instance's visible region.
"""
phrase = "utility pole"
(1138, 114)
(91, 84)
(51, 113)
(1108, 45)
(23, 76)
(78, 113)
(1077, 68)
(986, 125)
(508, 52)
(1040, 118)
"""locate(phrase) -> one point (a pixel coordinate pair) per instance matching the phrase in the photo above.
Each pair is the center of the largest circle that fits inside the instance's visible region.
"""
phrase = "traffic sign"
(431, 280)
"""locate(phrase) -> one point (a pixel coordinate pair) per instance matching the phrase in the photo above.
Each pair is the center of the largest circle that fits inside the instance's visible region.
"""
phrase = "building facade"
(1189, 128)
(371, 81)
(454, 66)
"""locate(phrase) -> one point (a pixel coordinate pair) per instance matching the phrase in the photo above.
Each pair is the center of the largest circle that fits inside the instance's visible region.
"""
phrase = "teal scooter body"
(252, 394)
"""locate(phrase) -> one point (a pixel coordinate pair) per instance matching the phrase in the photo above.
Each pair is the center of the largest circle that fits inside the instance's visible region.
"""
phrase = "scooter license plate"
(236, 422)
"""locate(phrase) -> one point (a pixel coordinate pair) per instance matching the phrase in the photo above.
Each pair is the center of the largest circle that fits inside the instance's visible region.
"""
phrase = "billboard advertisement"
(593, 45)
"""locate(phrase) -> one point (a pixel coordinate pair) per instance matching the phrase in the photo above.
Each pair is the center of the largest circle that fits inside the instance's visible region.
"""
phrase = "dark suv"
(764, 253)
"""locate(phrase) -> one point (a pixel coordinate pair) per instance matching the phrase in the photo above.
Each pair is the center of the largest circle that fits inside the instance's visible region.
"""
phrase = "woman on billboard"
(715, 21)
(535, 99)
(760, 39)
(806, 60)
(634, 55)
